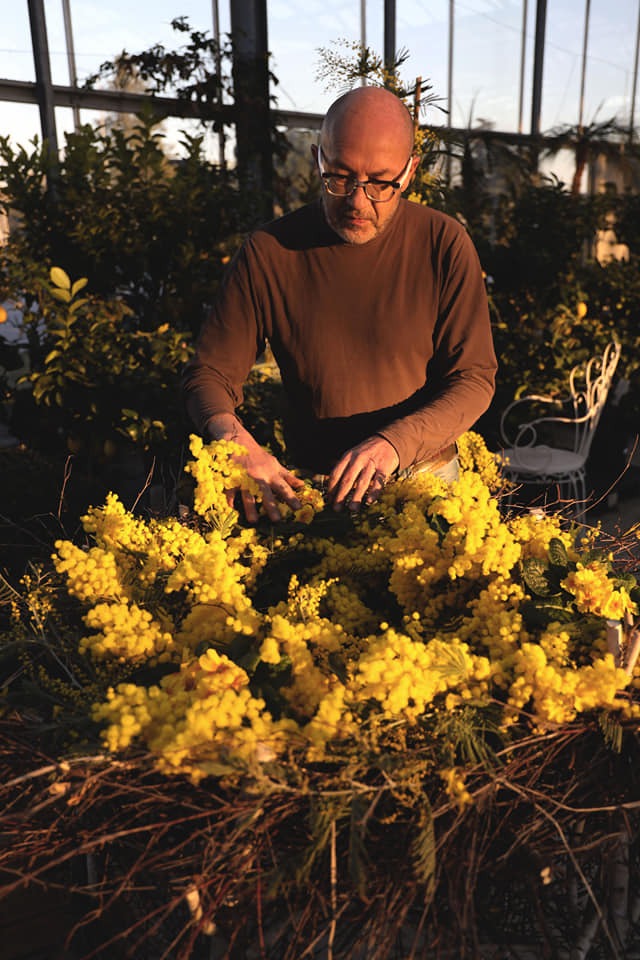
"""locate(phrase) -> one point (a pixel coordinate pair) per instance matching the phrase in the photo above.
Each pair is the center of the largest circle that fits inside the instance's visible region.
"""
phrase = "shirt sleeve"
(460, 379)
(230, 340)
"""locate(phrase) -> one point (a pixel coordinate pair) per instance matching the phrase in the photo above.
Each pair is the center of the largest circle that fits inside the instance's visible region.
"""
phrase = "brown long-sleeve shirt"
(390, 337)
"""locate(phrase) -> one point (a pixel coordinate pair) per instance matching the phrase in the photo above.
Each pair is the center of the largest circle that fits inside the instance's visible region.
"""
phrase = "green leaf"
(535, 574)
(358, 857)
(323, 812)
(338, 665)
(612, 731)
(451, 662)
(8, 594)
(625, 581)
(77, 304)
(60, 278)
(539, 614)
(62, 295)
(558, 553)
(41, 385)
(423, 847)
(78, 286)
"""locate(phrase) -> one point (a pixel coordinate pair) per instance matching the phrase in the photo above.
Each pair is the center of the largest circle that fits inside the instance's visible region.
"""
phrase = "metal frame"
(525, 459)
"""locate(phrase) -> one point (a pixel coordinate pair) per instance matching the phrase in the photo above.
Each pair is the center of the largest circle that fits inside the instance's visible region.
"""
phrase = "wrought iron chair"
(561, 460)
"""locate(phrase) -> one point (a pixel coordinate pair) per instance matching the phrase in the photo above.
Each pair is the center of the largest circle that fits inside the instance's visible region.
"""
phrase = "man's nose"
(358, 199)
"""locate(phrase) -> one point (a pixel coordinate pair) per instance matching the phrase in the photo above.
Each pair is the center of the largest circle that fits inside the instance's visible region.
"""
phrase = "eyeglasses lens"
(345, 186)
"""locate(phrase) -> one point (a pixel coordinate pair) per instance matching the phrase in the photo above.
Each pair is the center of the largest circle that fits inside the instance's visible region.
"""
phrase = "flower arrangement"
(396, 653)
(464, 611)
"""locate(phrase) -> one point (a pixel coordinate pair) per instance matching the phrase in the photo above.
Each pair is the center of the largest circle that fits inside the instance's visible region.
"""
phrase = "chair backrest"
(589, 385)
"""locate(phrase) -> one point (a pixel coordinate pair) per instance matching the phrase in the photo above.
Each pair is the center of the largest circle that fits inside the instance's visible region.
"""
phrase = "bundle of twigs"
(365, 859)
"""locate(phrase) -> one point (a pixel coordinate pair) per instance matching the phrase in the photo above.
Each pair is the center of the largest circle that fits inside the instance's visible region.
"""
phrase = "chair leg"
(582, 485)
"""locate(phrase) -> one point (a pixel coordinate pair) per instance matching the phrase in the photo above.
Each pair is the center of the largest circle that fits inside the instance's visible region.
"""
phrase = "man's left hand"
(360, 474)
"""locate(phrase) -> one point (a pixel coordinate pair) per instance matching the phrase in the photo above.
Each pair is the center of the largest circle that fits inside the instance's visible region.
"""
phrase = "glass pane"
(297, 31)
(609, 65)
(486, 57)
(100, 32)
(423, 30)
(486, 65)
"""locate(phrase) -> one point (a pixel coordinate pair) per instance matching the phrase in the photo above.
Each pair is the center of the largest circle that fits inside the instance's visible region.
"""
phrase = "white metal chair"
(562, 460)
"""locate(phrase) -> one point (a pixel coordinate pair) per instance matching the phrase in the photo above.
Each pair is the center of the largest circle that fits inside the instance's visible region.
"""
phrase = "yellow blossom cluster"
(307, 642)
(202, 720)
(217, 468)
(557, 694)
(311, 502)
(494, 620)
(443, 544)
(535, 530)
(404, 677)
(423, 605)
(125, 632)
(212, 578)
(343, 605)
(146, 549)
(473, 455)
(590, 584)
(92, 574)
(454, 784)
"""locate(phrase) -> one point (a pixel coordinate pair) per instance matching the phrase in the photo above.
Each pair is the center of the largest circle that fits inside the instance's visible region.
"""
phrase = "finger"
(269, 504)
(375, 487)
(353, 485)
(250, 506)
(284, 492)
(360, 489)
(341, 480)
(296, 483)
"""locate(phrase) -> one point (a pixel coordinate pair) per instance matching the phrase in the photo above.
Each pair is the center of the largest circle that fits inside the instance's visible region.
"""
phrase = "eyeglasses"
(379, 191)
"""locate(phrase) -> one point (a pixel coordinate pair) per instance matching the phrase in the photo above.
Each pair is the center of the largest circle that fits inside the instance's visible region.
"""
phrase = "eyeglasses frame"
(396, 184)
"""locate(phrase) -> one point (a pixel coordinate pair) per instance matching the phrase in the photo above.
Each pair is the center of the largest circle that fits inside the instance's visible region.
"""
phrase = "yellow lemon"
(582, 310)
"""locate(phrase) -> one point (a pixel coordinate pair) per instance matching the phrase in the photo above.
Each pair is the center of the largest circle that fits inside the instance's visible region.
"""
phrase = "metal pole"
(71, 58)
(523, 54)
(450, 62)
(447, 169)
(635, 81)
(44, 87)
(251, 94)
(389, 33)
(363, 34)
(218, 61)
(583, 75)
(538, 60)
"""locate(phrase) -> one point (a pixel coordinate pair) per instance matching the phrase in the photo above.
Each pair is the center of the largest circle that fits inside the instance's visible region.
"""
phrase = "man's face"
(356, 218)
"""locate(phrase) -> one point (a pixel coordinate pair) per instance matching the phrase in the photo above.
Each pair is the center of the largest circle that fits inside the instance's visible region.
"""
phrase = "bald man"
(376, 312)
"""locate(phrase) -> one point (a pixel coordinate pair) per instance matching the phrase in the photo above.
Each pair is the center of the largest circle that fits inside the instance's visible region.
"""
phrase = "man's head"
(367, 134)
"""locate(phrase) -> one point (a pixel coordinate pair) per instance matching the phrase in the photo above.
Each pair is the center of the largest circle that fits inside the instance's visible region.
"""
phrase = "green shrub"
(156, 231)
(98, 379)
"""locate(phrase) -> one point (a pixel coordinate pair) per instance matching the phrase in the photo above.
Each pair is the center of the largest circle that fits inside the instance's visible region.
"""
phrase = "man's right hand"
(275, 481)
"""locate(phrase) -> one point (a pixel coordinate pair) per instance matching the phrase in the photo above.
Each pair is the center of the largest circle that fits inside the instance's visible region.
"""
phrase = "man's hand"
(276, 482)
(361, 473)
